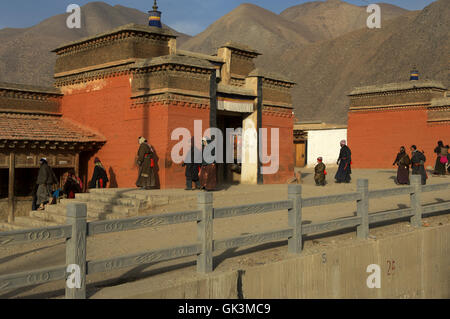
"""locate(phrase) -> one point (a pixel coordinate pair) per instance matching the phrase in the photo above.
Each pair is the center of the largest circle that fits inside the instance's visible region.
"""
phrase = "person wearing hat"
(344, 161)
(146, 159)
(320, 172)
(99, 178)
(46, 178)
(403, 161)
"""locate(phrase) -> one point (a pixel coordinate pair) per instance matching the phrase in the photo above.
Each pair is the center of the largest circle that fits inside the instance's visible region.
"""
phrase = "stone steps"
(26, 222)
(5, 227)
(113, 200)
(102, 204)
(48, 216)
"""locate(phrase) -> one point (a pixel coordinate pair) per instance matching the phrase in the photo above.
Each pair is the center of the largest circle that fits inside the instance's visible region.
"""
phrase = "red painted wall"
(105, 106)
(376, 136)
(286, 148)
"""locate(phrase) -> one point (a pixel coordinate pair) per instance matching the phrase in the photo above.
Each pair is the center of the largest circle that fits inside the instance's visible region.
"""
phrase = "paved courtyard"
(21, 258)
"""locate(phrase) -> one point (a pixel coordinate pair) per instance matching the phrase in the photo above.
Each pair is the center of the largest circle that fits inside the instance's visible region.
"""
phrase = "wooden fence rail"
(78, 229)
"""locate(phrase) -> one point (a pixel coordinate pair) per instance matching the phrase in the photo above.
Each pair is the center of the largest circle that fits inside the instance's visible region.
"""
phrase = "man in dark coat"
(319, 172)
(441, 159)
(99, 177)
(418, 163)
(46, 178)
(403, 161)
(344, 162)
(192, 168)
(146, 161)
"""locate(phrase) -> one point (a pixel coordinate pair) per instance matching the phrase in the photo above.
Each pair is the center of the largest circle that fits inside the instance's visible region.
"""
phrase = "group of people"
(403, 161)
(417, 163)
(48, 189)
(203, 175)
(344, 170)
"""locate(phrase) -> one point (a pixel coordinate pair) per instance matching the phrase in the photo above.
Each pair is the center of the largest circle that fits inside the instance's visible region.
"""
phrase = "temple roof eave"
(49, 128)
(270, 76)
(133, 27)
(30, 88)
(397, 86)
(236, 90)
(174, 60)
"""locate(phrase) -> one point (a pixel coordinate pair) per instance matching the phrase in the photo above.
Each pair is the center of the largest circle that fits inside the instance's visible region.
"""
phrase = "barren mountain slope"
(25, 55)
(329, 19)
(326, 72)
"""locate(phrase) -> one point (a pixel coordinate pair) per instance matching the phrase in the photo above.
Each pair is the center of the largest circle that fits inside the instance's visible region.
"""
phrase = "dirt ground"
(27, 257)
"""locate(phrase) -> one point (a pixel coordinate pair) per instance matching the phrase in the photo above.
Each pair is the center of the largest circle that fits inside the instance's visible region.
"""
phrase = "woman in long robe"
(344, 162)
(208, 175)
(441, 152)
(403, 162)
(146, 161)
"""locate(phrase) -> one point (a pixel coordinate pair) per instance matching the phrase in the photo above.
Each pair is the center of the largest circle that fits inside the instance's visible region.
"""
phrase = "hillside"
(330, 19)
(329, 70)
(258, 28)
(324, 46)
(25, 55)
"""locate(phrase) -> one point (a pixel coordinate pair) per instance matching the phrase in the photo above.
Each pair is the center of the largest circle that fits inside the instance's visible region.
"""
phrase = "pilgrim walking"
(46, 179)
(192, 168)
(208, 175)
(99, 178)
(441, 159)
(344, 161)
(146, 161)
(402, 161)
(418, 164)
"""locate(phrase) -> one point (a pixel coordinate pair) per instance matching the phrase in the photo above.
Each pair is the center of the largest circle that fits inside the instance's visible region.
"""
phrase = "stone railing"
(77, 230)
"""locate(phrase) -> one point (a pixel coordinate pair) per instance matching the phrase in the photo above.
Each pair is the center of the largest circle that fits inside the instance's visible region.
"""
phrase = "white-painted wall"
(325, 144)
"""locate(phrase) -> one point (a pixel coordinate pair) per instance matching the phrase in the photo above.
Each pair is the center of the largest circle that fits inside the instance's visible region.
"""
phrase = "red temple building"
(132, 81)
(384, 117)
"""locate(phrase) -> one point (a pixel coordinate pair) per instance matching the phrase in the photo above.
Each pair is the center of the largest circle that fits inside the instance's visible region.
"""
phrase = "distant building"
(384, 117)
(318, 139)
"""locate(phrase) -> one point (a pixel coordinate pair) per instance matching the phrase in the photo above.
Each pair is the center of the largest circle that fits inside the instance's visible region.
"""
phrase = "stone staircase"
(102, 204)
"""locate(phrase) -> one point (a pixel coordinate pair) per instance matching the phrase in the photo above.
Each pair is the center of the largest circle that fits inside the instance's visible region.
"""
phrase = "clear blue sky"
(189, 16)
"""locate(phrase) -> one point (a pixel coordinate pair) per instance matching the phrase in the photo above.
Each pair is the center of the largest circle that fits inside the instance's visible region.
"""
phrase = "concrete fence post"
(295, 219)
(362, 209)
(76, 250)
(205, 233)
(416, 188)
